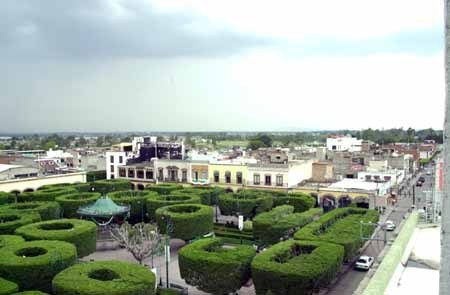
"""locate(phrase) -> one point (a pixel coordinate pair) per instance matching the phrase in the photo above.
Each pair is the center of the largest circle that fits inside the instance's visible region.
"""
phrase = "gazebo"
(103, 211)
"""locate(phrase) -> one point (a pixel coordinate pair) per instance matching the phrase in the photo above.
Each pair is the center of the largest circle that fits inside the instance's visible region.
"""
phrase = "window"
(268, 180)
(131, 173)
(228, 177)
(112, 176)
(111, 159)
(333, 147)
(279, 180)
(149, 174)
(184, 175)
(216, 176)
(122, 172)
(204, 175)
(120, 159)
(256, 179)
(239, 177)
(140, 174)
(112, 168)
(368, 177)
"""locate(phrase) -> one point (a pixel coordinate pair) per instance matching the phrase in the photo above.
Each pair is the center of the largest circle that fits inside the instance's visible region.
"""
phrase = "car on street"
(419, 183)
(422, 179)
(389, 225)
(364, 262)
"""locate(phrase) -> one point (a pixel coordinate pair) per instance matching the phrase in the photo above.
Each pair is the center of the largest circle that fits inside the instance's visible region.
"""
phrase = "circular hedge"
(111, 185)
(31, 293)
(54, 186)
(32, 265)
(9, 221)
(164, 188)
(105, 277)
(6, 240)
(246, 203)
(7, 287)
(5, 198)
(186, 221)
(135, 199)
(46, 194)
(215, 269)
(47, 210)
(71, 202)
(81, 233)
(208, 196)
(157, 201)
(296, 267)
(300, 201)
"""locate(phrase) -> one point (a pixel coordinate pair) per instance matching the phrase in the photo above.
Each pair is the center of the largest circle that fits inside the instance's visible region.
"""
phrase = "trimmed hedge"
(31, 293)
(81, 233)
(157, 201)
(82, 187)
(135, 199)
(164, 291)
(296, 267)
(300, 201)
(47, 210)
(210, 267)
(45, 194)
(248, 204)
(10, 221)
(6, 240)
(96, 175)
(340, 226)
(6, 198)
(71, 202)
(54, 186)
(208, 196)
(105, 277)
(186, 221)
(111, 185)
(164, 188)
(32, 265)
(7, 287)
(270, 227)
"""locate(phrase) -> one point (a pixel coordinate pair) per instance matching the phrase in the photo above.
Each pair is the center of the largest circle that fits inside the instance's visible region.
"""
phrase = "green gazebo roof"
(103, 207)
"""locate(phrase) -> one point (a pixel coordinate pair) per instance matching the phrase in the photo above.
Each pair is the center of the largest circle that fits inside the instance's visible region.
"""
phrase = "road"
(349, 280)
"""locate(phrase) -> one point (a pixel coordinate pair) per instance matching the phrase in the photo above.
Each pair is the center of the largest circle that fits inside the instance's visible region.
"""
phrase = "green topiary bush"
(246, 202)
(81, 233)
(46, 194)
(6, 240)
(7, 287)
(186, 221)
(47, 210)
(31, 293)
(71, 202)
(340, 226)
(105, 277)
(82, 187)
(157, 201)
(208, 196)
(296, 267)
(270, 227)
(164, 188)
(136, 200)
(300, 201)
(112, 185)
(213, 268)
(6, 198)
(9, 221)
(32, 265)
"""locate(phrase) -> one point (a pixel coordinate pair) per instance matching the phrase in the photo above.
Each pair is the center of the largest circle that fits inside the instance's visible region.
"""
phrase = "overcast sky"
(143, 65)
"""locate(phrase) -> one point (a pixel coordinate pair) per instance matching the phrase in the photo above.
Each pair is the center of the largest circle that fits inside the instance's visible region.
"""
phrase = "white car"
(364, 262)
(390, 225)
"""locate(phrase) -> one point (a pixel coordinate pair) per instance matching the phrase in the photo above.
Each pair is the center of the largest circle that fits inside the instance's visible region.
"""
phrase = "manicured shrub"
(157, 201)
(6, 240)
(6, 198)
(300, 201)
(232, 232)
(186, 221)
(164, 291)
(45, 194)
(105, 277)
(9, 221)
(32, 265)
(54, 186)
(95, 175)
(82, 187)
(7, 287)
(71, 202)
(135, 199)
(81, 233)
(340, 226)
(112, 185)
(47, 210)
(296, 267)
(213, 268)
(164, 188)
(31, 293)
(248, 204)
(208, 196)
(270, 227)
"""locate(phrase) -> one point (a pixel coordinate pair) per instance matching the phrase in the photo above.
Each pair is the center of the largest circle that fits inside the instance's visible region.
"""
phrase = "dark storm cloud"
(107, 28)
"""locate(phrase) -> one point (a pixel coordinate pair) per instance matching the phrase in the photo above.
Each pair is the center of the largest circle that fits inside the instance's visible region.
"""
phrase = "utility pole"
(444, 279)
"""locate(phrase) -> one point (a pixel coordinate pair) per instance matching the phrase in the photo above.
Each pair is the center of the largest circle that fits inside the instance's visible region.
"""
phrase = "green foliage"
(47, 210)
(185, 221)
(340, 226)
(46, 194)
(9, 221)
(7, 287)
(164, 188)
(105, 277)
(248, 203)
(300, 201)
(6, 198)
(6, 240)
(112, 185)
(31, 293)
(71, 202)
(232, 232)
(260, 141)
(208, 196)
(95, 175)
(82, 187)
(270, 227)
(135, 199)
(164, 291)
(81, 233)
(32, 265)
(157, 201)
(213, 268)
(296, 267)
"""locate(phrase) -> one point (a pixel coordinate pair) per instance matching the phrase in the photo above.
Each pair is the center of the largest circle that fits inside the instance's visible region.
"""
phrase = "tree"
(49, 145)
(142, 240)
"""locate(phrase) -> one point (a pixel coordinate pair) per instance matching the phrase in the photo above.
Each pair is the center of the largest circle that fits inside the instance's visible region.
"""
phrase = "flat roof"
(4, 167)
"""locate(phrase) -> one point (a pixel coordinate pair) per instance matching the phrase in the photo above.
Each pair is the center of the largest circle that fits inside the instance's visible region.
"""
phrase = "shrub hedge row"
(7, 287)
(164, 188)
(71, 202)
(6, 240)
(105, 277)
(208, 196)
(300, 201)
(106, 186)
(135, 199)
(10, 221)
(32, 265)
(5, 198)
(213, 268)
(340, 226)
(247, 203)
(296, 267)
(31, 293)
(157, 201)
(47, 210)
(81, 233)
(185, 221)
(46, 194)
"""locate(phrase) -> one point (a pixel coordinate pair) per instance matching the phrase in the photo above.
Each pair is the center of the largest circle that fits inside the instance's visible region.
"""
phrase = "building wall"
(322, 172)
(232, 168)
(34, 183)
(180, 164)
(273, 170)
(17, 172)
(112, 166)
(299, 171)
(350, 144)
(201, 170)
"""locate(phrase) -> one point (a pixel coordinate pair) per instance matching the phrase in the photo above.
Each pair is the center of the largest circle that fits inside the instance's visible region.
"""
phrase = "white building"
(344, 143)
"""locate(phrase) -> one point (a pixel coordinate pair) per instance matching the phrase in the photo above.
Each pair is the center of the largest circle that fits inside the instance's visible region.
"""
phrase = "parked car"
(364, 262)
(422, 179)
(390, 225)
(419, 183)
